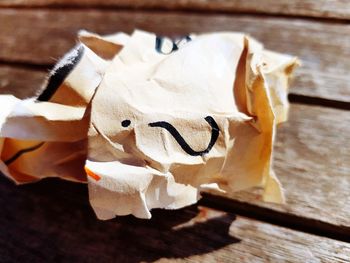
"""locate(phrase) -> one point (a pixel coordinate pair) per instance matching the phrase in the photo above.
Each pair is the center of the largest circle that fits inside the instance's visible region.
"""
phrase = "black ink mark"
(19, 153)
(181, 141)
(176, 44)
(126, 123)
(59, 75)
(183, 40)
(159, 46)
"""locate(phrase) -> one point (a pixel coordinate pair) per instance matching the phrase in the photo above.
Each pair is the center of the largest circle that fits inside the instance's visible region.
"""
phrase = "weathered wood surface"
(41, 36)
(312, 160)
(314, 8)
(51, 221)
(311, 156)
(23, 82)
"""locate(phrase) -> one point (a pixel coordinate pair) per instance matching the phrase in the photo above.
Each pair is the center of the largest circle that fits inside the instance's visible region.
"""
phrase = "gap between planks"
(271, 216)
(316, 101)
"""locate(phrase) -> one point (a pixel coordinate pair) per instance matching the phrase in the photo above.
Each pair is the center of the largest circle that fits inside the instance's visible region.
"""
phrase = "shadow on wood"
(52, 220)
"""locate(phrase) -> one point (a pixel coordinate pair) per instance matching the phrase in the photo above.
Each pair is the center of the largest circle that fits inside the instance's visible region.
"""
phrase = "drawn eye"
(126, 123)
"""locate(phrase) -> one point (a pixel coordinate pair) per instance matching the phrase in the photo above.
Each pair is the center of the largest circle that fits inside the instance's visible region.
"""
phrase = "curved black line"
(59, 76)
(20, 152)
(181, 141)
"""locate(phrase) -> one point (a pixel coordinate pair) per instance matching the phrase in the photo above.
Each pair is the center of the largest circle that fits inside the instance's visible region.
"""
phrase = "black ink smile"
(181, 141)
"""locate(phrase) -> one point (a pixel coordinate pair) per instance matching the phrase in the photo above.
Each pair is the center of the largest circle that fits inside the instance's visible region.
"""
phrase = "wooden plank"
(314, 8)
(19, 81)
(39, 36)
(52, 221)
(312, 160)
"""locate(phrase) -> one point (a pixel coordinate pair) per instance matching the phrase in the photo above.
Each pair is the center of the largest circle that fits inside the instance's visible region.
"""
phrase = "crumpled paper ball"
(148, 122)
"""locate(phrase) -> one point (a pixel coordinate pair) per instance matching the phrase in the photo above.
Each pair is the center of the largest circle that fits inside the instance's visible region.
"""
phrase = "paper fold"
(148, 122)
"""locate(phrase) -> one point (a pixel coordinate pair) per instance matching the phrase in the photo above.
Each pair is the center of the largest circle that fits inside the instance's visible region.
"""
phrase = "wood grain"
(42, 36)
(51, 221)
(314, 8)
(312, 160)
(22, 82)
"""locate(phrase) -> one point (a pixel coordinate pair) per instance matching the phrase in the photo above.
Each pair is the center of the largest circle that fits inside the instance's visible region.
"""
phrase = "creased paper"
(148, 122)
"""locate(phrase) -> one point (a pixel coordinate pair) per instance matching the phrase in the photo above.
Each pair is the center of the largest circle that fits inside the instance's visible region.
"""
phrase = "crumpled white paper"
(152, 121)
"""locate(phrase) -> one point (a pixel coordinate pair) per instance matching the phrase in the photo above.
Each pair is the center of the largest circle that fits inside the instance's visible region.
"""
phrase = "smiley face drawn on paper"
(165, 102)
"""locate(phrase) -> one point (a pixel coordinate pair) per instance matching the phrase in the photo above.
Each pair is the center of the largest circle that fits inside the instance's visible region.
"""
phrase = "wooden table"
(51, 221)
